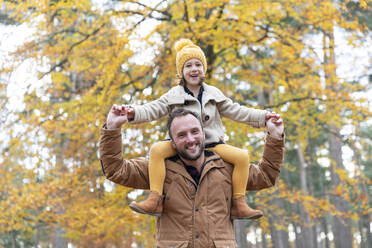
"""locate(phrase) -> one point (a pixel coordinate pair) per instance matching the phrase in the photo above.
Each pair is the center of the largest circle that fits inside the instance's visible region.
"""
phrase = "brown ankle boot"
(153, 205)
(240, 210)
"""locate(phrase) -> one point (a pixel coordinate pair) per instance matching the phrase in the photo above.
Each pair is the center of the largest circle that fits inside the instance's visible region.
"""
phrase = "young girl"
(210, 103)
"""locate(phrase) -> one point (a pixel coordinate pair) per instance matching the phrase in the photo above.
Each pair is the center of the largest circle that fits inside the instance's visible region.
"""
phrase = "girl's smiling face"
(193, 72)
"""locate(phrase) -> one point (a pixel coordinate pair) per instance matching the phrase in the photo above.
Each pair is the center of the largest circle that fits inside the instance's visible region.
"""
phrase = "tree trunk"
(298, 241)
(274, 234)
(315, 236)
(284, 237)
(263, 237)
(363, 222)
(360, 227)
(366, 220)
(14, 241)
(311, 192)
(306, 230)
(325, 230)
(59, 241)
(280, 238)
(293, 209)
(240, 233)
(341, 226)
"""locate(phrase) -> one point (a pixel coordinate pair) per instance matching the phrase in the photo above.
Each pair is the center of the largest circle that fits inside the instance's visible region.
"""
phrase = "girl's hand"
(274, 116)
(130, 112)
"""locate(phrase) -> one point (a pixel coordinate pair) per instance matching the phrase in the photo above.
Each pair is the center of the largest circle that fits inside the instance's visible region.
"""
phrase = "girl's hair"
(182, 81)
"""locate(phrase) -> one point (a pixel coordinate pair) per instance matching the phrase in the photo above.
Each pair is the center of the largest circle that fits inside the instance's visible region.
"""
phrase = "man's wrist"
(111, 126)
(276, 135)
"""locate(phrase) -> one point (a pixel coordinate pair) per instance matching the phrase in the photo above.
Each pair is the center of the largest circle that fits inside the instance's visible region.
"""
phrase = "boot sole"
(141, 211)
(252, 217)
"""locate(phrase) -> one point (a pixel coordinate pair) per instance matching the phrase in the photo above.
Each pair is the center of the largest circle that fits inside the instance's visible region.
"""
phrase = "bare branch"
(60, 64)
(164, 12)
(65, 60)
(187, 18)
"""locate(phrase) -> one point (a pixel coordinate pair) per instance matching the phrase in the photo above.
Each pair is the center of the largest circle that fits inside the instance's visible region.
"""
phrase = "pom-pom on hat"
(187, 50)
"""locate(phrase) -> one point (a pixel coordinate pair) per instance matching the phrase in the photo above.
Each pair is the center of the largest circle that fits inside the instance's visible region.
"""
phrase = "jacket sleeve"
(236, 112)
(151, 111)
(266, 173)
(131, 173)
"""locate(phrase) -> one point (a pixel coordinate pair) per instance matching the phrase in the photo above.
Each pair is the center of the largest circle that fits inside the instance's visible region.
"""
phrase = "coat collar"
(179, 96)
(212, 161)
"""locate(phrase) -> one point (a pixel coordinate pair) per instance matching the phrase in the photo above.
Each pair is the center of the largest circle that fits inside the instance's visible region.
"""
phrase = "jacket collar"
(212, 161)
(179, 96)
(199, 96)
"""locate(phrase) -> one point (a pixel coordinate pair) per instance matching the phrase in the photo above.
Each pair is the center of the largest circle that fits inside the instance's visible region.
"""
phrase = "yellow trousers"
(233, 155)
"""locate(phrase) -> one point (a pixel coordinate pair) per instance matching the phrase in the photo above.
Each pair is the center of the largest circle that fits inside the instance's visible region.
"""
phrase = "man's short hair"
(178, 113)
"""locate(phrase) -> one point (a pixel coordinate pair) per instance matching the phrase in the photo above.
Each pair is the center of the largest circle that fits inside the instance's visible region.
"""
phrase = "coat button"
(196, 209)
(197, 236)
(206, 118)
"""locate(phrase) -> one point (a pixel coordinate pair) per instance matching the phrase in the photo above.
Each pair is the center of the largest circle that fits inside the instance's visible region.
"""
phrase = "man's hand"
(275, 127)
(116, 117)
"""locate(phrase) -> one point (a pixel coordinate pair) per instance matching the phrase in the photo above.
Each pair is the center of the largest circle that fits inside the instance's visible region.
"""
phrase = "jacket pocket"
(224, 244)
(172, 244)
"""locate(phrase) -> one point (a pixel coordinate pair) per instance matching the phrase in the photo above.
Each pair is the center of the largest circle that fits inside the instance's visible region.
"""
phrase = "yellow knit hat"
(187, 50)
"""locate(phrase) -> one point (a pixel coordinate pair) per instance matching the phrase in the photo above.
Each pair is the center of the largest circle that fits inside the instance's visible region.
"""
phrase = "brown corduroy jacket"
(194, 216)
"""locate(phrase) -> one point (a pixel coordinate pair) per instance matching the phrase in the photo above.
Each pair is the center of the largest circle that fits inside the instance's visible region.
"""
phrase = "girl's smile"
(193, 72)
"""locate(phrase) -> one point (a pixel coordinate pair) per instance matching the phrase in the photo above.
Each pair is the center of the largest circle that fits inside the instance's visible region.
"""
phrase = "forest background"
(78, 57)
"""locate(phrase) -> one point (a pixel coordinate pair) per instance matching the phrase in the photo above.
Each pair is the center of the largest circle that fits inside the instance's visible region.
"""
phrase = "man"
(197, 189)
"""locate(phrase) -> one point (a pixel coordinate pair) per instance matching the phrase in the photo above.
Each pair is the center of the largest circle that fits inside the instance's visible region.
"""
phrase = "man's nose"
(190, 137)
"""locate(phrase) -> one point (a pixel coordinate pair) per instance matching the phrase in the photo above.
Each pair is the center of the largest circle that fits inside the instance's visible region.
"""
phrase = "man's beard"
(183, 154)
